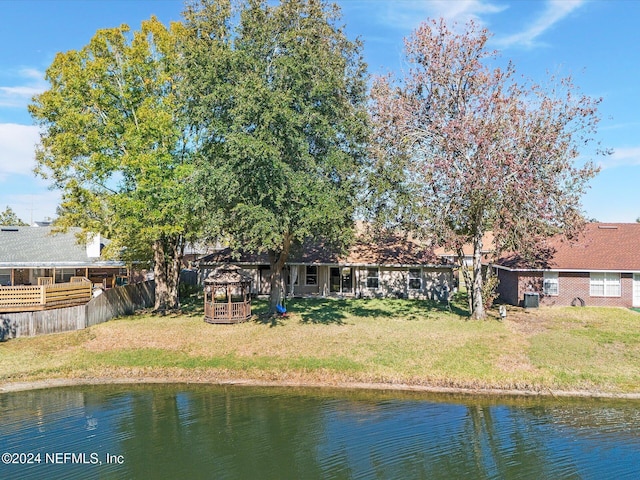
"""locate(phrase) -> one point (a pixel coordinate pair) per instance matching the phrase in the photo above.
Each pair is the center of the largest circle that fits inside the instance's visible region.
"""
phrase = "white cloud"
(17, 149)
(555, 10)
(408, 14)
(32, 73)
(620, 126)
(19, 96)
(17, 159)
(625, 156)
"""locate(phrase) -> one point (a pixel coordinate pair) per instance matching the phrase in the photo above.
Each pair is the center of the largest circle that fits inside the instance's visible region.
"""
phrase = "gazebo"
(227, 295)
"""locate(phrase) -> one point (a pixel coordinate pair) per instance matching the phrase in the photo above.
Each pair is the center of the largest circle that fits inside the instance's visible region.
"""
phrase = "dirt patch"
(526, 323)
(223, 380)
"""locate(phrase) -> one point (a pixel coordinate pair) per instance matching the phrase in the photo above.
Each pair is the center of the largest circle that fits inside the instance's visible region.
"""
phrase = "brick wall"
(571, 285)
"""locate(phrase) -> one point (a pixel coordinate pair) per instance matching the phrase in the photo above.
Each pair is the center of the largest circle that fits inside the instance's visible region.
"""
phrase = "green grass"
(334, 341)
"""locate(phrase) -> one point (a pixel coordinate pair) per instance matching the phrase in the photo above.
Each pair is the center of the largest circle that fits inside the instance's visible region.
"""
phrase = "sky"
(596, 42)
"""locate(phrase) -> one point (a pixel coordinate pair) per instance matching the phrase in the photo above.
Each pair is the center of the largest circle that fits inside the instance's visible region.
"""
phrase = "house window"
(63, 275)
(311, 276)
(550, 283)
(5, 276)
(604, 284)
(373, 278)
(415, 279)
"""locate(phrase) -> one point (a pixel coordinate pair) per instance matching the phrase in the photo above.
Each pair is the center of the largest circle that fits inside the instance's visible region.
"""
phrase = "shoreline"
(376, 345)
(11, 387)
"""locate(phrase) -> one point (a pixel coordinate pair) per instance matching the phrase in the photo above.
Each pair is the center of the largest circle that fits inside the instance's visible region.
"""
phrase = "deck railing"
(26, 298)
(227, 312)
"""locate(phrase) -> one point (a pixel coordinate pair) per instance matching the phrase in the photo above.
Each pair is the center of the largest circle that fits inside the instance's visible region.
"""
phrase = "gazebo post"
(212, 303)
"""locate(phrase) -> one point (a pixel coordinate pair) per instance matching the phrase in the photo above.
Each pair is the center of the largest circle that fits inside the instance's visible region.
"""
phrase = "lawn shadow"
(410, 309)
(321, 311)
(8, 329)
(192, 305)
(458, 304)
(335, 311)
(326, 311)
(261, 315)
(271, 319)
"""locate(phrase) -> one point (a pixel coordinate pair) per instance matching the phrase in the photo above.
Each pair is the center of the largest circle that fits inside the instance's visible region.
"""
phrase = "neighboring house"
(600, 268)
(29, 253)
(387, 267)
(467, 250)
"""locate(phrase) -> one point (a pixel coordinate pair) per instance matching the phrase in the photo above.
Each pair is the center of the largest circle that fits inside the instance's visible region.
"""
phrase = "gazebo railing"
(227, 312)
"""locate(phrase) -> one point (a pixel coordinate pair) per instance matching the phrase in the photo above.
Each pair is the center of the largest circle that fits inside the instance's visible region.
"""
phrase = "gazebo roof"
(226, 275)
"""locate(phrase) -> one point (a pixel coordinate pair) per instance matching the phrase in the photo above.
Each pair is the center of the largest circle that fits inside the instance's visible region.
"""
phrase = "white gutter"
(569, 270)
(111, 263)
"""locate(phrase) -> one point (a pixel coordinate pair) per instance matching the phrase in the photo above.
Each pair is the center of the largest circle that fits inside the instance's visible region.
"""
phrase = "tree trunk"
(276, 263)
(468, 280)
(167, 258)
(477, 304)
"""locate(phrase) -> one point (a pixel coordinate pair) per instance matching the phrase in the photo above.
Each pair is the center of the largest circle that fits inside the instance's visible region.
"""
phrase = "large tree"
(279, 98)
(115, 141)
(475, 149)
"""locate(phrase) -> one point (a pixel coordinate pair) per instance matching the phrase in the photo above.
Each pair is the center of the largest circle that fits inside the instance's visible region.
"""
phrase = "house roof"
(31, 247)
(601, 246)
(228, 274)
(386, 250)
(467, 248)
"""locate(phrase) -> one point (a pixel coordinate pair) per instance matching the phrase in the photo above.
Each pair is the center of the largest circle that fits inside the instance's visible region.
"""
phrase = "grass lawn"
(332, 341)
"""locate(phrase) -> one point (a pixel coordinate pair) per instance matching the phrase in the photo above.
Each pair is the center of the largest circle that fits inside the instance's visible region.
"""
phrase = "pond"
(184, 431)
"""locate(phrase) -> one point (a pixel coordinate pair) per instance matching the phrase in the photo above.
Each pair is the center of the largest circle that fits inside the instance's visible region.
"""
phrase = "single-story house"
(467, 250)
(599, 268)
(30, 253)
(389, 266)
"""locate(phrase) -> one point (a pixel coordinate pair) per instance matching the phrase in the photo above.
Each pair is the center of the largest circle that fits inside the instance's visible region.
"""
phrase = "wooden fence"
(112, 303)
(24, 298)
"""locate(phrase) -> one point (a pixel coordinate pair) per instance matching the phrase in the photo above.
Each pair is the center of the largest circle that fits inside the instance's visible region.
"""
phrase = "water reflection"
(236, 432)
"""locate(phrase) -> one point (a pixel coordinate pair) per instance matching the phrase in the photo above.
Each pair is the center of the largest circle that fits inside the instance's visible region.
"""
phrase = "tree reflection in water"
(239, 432)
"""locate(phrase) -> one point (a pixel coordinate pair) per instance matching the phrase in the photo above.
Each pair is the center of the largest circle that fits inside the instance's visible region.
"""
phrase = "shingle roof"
(228, 274)
(389, 250)
(601, 246)
(467, 248)
(39, 247)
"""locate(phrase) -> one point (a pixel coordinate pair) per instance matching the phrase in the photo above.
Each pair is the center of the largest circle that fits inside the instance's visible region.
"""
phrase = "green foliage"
(9, 218)
(489, 289)
(116, 142)
(279, 99)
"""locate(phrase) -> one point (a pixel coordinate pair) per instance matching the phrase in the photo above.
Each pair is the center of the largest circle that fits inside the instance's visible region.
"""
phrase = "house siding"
(571, 286)
(394, 282)
(436, 283)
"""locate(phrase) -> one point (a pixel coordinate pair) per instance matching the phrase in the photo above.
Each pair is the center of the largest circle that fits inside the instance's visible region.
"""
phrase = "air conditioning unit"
(531, 300)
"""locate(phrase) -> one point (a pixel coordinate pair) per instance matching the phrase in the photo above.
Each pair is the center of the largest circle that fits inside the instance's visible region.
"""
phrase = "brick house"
(385, 266)
(600, 268)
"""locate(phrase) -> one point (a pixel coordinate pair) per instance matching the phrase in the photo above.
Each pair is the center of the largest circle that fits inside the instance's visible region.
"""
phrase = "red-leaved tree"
(472, 149)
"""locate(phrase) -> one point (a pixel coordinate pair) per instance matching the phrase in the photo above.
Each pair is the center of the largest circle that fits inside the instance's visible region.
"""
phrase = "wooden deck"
(29, 298)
